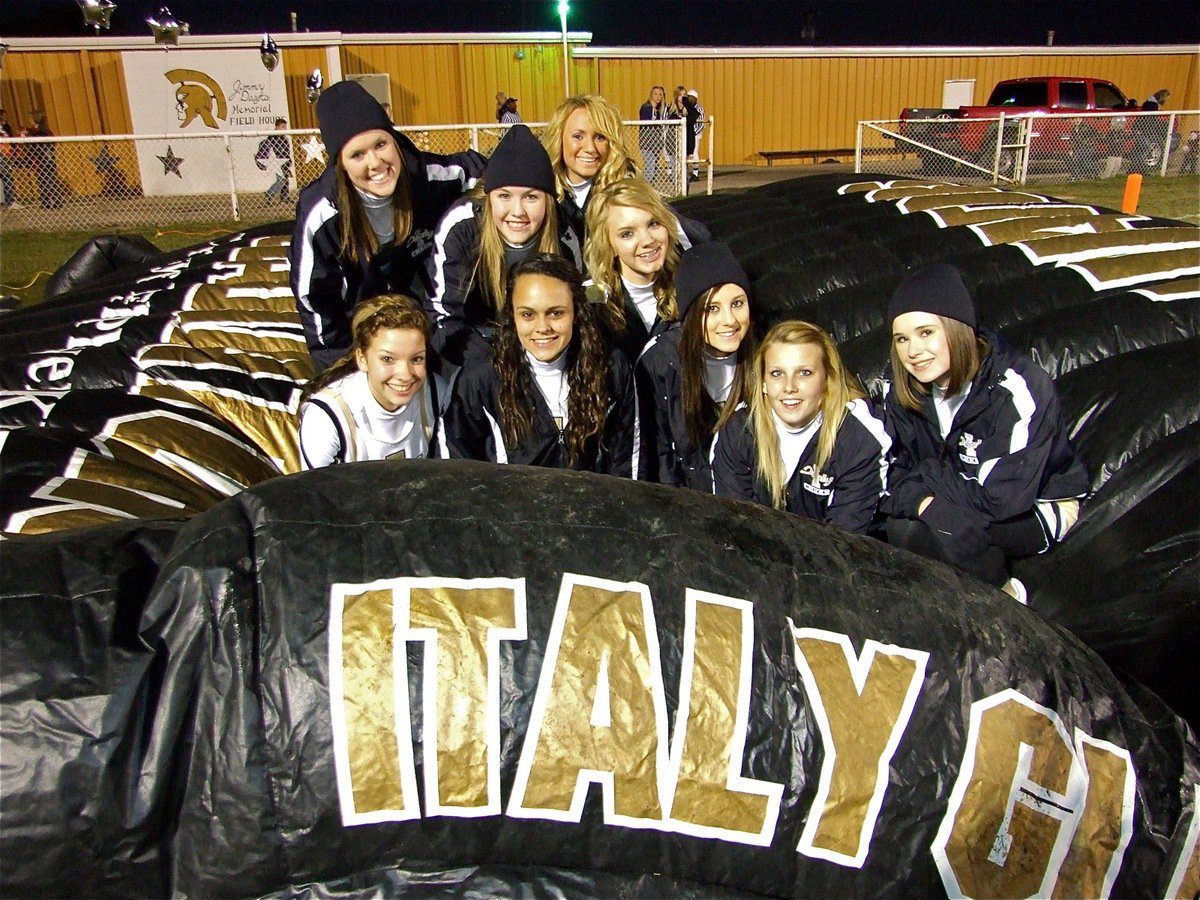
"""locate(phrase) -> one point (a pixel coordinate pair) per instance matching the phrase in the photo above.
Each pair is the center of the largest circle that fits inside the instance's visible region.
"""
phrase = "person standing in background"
(509, 114)
(279, 147)
(8, 191)
(695, 127)
(45, 162)
(501, 97)
(652, 140)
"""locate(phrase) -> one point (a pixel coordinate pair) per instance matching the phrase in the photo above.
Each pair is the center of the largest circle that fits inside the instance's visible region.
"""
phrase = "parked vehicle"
(1071, 118)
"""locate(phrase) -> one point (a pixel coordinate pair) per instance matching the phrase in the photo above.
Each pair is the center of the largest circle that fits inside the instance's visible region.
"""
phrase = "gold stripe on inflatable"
(970, 215)
(251, 296)
(1105, 273)
(254, 363)
(1009, 231)
(970, 197)
(1077, 247)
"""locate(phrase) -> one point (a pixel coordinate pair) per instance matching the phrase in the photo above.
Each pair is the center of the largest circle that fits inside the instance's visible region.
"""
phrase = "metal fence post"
(996, 156)
(1166, 154)
(475, 138)
(858, 148)
(711, 128)
(233, 197)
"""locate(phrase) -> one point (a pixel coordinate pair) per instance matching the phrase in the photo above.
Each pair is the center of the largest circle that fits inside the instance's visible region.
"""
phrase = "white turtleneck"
(948, 407)
(552, 382)
(719, 372)
(581, 190)
(793, 442)
(643, 298)
(382, 216)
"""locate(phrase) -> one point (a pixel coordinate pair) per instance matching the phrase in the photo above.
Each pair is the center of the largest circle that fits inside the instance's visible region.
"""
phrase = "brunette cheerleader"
(693, 376)
(363, 227)
(982, 469)
(810, 442)
(552, 394)
(379, 401)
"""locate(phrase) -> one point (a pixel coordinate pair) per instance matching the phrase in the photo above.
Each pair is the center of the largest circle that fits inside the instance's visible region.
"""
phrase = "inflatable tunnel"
(221, 677)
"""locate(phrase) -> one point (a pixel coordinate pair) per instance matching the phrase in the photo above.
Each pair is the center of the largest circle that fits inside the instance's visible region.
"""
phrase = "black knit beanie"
(346, 109)
(519, 160)
(705, 266)
(937, 289)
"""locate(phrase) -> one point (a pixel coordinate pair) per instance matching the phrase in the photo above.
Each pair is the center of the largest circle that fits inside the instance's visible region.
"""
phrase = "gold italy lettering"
(711, 797)
(600, 711)
(1106, 825)
(368, 695)
(465, 622)
(862, 705)
(1014, 808)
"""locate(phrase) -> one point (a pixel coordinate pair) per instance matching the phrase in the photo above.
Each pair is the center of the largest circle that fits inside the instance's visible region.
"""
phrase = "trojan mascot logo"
(197, 95)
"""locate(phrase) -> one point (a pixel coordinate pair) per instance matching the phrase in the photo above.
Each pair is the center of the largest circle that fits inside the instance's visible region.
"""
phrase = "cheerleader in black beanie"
(553, 395)
(511, 216)
(363, 227)
(982, 469)
(692, 376)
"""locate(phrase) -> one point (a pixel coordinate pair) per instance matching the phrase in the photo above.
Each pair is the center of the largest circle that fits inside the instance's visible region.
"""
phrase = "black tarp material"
(180, 739)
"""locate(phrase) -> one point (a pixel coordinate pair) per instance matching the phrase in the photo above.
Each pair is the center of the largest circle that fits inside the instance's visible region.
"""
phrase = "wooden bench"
(771, 155)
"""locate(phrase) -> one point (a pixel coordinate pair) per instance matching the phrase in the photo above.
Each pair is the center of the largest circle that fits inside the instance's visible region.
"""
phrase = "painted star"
(313, 149)
(171, 163)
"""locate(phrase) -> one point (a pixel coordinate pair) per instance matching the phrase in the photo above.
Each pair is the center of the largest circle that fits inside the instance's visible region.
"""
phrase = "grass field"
(28, 258)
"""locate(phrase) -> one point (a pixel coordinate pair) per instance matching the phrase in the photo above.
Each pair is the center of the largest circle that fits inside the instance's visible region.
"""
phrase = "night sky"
(668, 23)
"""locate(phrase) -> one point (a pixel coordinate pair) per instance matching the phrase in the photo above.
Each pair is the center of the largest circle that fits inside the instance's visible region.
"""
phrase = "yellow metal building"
(761, 98)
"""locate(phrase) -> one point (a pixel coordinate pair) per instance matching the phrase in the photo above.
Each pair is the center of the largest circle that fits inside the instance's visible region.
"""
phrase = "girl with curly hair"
(379, 401)
(553, 394)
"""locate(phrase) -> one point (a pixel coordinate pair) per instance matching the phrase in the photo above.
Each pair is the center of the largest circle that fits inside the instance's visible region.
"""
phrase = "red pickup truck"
(1059, 129)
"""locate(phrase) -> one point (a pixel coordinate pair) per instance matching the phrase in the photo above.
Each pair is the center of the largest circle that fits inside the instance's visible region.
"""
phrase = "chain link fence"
(118, 182)
(1020, 149)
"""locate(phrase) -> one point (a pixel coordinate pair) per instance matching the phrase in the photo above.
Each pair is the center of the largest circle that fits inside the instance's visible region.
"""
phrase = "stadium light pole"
(563, 6)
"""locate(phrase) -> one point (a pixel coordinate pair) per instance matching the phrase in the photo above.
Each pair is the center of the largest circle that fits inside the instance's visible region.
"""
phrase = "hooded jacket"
(327, 287)
(1007, 447)
(845, 492)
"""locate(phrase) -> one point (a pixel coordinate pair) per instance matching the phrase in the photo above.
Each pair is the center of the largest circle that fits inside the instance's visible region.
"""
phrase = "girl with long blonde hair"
(509, 217)
(810, 441)
(588, 150)
(633, 249)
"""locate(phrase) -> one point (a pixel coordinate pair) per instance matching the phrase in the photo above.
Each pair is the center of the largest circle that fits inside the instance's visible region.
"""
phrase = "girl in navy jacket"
(809, 442)
(364, 227)
(693, 376)
(553, 394)
(632, 252)
(380, 401)
(509, 218)
(982, 469)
